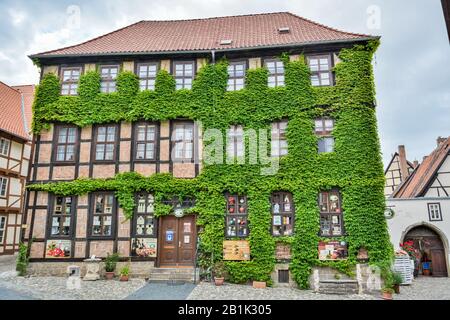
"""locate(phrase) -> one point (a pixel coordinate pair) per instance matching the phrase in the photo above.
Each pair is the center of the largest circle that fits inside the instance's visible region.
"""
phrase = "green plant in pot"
(397, 280)
(219, 272)
(110, 265)
(388, 290)
(125, 273)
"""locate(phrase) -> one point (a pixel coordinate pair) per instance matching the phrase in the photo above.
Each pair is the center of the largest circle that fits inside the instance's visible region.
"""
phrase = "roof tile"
(247, 31)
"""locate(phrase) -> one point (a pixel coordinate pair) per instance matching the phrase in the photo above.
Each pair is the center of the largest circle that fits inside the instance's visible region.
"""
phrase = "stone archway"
(432, 246)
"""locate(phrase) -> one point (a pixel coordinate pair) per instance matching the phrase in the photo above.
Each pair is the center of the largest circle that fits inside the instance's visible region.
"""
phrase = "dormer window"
(69, 81)
(283, 30)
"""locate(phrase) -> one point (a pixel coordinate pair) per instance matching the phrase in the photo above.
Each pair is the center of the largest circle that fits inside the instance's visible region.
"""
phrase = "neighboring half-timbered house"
(15, 152)
(419, 210)
(398, 169)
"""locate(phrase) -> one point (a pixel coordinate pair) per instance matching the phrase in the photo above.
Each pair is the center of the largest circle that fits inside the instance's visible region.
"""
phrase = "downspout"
(213, 56)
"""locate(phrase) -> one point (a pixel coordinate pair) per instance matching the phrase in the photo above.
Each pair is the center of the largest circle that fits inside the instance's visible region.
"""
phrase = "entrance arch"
(432, 247)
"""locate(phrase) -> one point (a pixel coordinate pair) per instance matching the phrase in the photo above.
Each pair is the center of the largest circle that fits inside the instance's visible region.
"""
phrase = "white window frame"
(434, 211)
(4, 146)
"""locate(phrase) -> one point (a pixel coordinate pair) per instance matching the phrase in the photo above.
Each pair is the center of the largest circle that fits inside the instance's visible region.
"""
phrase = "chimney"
(403, 163)
(416, 163)
(440, 140)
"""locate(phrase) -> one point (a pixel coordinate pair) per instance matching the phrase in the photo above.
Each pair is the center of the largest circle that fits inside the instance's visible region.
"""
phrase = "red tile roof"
(417, 182)
(27, 92)
(13, 115)
(246, 31)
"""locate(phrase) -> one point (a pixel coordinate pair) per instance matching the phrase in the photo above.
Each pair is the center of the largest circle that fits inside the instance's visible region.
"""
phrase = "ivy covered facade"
(113, 167)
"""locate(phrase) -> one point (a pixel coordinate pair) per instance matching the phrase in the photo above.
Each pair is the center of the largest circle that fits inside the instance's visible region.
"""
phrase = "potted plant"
(387, 293)
(125, 273)
(397, 280)
(110, 265)
(259, 284)
(219, 271)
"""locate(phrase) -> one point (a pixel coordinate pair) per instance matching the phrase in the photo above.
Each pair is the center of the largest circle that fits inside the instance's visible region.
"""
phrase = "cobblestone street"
(55, 288)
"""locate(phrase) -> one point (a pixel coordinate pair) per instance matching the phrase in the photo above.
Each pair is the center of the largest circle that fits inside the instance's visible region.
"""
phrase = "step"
(338, 287)
(172, 275)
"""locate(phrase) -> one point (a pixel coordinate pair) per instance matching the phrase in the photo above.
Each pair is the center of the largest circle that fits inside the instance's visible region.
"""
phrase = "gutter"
(293, 45)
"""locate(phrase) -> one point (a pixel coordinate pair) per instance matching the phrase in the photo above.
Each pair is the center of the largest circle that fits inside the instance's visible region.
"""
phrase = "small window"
(147, 75)
(108, 76)
(144, 220)
(65, 144)
(282, 214)
(320, 67)
(2, 228)
(434, 211)
(105, 143)
(279, 145)
(331, 222)
(4, 147)
(283, 276)
(183, 142)
(3, 186)
(236, 216)
(145, 141)
(62, 216)
(235, 142)
(102, 216)
(236, 75)
(276, 73)
(323, 129)
(69, 81)
(184, 74)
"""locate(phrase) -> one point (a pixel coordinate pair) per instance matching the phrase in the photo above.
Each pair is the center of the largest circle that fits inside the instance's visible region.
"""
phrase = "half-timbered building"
(289, 54)
(418, 210)
(15, 152)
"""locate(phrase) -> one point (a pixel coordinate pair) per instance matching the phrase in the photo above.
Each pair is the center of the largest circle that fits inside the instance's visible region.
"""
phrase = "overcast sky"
(412, 66)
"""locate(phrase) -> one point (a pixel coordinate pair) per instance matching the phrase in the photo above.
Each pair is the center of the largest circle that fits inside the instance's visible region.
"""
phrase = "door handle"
(179, 244)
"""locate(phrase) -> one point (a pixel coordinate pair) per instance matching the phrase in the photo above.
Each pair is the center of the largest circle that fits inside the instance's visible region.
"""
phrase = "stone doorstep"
(340, 281)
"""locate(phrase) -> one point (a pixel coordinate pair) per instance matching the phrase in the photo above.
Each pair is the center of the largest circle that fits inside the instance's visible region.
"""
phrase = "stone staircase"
(173, 275)
(338, 286)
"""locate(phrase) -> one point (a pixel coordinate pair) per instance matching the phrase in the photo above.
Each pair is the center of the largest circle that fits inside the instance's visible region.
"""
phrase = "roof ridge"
(88, 41)
(221, 17)
(10, 87)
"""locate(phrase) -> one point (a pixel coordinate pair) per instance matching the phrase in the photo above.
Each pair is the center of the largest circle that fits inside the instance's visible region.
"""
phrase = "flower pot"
(259, 284)
(396, 288)
(426, 272)
(387, 295)
(124, 278)
(109, 275)
(219, 281)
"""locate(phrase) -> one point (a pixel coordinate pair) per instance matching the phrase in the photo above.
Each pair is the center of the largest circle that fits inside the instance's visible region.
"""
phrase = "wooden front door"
(177, 241)
(438, 263)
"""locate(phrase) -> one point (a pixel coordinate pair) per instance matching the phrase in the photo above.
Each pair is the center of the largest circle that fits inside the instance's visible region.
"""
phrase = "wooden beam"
(446, 9)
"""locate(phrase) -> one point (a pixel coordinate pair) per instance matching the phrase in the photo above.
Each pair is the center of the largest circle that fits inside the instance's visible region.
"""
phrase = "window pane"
(109, 153)
(70, 154)
(149, 151)
(140, 152)
(111, 134)
(60, 151)
(141, 133)
(62, 135)
(99, 152)
(150, 133)
(101, 134)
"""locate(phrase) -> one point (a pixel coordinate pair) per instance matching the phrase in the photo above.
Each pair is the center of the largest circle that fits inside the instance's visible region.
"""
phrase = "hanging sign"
(236, 250)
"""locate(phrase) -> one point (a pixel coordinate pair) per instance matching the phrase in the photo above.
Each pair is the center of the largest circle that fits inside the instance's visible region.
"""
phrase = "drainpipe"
(213, 55)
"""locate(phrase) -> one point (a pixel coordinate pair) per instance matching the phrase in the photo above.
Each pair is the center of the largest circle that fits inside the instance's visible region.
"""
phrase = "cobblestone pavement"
(425, 288)
(209, 291)
(55, 288)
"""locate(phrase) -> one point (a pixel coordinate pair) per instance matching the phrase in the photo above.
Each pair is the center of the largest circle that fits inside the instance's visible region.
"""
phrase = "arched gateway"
(431, 248)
